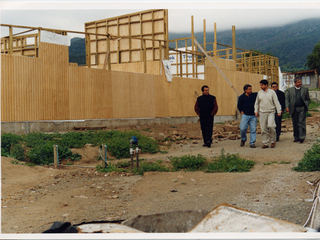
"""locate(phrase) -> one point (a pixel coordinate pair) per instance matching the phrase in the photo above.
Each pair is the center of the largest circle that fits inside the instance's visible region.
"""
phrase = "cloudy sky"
(71, 15)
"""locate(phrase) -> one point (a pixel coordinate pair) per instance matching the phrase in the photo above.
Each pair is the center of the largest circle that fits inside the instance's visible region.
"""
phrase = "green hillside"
(290, 43)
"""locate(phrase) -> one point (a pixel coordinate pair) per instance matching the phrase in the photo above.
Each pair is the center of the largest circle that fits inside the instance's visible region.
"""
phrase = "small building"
(310, 78)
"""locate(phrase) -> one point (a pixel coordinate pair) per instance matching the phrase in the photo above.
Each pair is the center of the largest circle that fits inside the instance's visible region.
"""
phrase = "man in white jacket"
(265, 106)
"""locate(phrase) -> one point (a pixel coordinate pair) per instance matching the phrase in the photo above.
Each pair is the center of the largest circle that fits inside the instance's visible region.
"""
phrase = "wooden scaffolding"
(138, 42)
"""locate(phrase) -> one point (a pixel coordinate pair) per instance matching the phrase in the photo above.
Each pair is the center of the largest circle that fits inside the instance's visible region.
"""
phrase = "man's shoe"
(253, 146)
(301, 140)
(204, 145)
(265, 146)
(277, 140)
(208, 144)
(273, 145)
(242, 143)
(295, 140)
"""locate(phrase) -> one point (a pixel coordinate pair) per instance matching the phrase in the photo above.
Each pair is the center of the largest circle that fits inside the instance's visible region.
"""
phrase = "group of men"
(267, 104)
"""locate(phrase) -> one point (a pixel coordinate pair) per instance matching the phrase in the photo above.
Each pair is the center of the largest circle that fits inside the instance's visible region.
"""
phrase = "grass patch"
(37, 148)
(229, 163)
(311, 160)
(150, 167)
(223, 163)
(191, 163)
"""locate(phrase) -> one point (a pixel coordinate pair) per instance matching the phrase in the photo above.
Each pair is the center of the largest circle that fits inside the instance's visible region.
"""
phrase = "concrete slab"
(227, 218)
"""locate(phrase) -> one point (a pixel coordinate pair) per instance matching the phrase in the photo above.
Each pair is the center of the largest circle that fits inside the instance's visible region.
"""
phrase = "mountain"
(291, 43)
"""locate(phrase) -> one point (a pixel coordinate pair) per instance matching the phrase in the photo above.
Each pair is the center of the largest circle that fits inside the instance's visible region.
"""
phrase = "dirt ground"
(33, 198)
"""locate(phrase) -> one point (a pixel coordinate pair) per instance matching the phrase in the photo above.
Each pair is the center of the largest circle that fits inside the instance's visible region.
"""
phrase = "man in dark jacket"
(297, 103)
(206, 107)
(282, 101)
(246, 108)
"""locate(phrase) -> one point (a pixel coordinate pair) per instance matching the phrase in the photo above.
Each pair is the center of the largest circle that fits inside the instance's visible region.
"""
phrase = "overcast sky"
(71, 15)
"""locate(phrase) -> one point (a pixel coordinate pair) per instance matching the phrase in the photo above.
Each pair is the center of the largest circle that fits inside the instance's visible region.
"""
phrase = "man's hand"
(287, 109)
(242, 112)
(279, 114)
(256, 114)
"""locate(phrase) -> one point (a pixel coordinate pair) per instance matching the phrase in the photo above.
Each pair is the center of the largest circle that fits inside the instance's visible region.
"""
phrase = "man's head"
(205, 90)
(247, 89)
(297, 81)
(264, 84)
(274, 86)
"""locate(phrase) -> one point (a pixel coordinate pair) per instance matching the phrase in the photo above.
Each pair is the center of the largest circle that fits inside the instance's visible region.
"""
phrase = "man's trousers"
(268, 127)
(278, 125)
(248, 120)
(206, 124)
(299, 122)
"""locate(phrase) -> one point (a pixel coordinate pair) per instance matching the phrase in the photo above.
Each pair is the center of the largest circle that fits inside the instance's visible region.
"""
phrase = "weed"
(310, 161)
(8, 140)
(267, 163)
(283, 162)
(313, 105)
(173, 126)
(146, 129)
(229, 163)
(123, 164)
(17, 151)
(163, 152)
(191, 163)
(149, 166)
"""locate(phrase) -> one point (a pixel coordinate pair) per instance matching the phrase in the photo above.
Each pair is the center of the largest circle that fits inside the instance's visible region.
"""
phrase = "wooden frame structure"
(138, 42)
(137, 37)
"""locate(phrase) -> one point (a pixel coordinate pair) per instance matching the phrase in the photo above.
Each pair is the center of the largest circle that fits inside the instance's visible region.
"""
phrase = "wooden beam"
(192, 44)
(216, 66)
(10, 40)
(234, 49)
(215, 40)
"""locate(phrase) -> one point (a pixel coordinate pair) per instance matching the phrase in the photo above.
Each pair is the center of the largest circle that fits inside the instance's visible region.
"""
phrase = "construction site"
(136, 77)
(42, 91)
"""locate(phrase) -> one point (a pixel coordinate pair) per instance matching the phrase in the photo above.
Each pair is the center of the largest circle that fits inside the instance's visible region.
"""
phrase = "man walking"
(297, 103)
(282, 101)
(265, 106)
(206, 107)
(246, 108)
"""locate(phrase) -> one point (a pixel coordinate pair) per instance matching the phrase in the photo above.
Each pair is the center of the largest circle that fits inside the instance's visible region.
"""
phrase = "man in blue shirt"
(246, 107)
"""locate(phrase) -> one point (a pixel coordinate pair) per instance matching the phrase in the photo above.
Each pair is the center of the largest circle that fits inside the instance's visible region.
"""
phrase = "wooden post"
(234, 49)
(160, 58)
(144, 56)
(215, 40)
(204, 35)
(181, 64)
(10, 40)
(88, 55)
(108, 51)
(103, 161)
(55, 156)
(192, 44)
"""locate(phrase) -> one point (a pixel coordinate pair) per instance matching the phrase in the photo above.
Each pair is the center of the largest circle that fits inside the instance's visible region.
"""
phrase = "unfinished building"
(124, 80)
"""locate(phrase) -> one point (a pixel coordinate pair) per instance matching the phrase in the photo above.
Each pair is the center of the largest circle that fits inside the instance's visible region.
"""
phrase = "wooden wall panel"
(48, 88)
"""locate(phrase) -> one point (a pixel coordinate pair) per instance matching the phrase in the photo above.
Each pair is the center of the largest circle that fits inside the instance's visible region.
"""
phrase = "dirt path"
(35, 197)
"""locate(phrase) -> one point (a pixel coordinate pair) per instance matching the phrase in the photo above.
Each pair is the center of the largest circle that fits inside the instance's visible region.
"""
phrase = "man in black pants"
(206, 107)
(282, 101)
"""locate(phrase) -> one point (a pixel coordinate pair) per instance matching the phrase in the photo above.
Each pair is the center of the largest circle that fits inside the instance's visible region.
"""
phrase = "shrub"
(311, 160)
(229, 163)
(188, 162)
(150, 167)
(41, 154)
(8, 140)
(17, 151)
